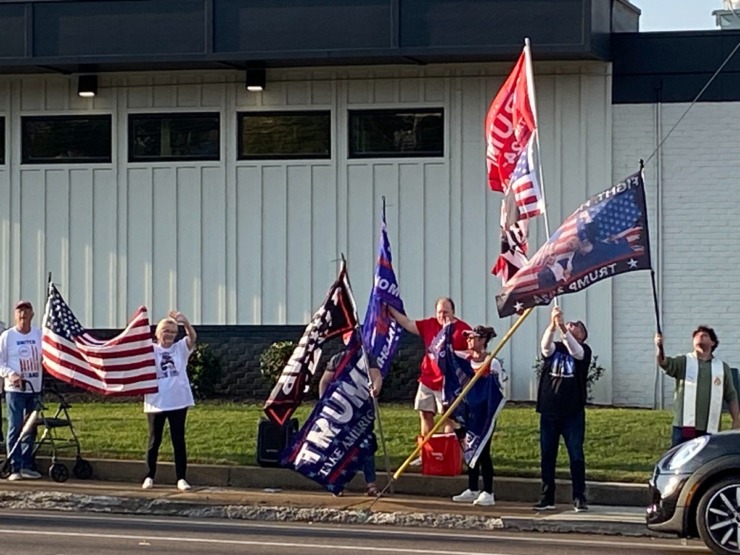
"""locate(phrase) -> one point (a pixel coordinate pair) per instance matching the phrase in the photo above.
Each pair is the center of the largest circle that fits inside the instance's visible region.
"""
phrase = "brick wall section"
(696, 242)
(239, 349)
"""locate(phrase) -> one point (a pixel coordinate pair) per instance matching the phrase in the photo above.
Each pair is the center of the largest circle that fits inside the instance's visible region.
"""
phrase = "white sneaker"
(14, 477)
(416, 462)
(182, 485)
(485, 499)
(148, 483)
(29, 474)
(467, 496)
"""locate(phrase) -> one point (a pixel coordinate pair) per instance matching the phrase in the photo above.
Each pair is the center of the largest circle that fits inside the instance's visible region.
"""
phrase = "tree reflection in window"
(396, 133)
(174, 137)
(65, 139)
(284, 135)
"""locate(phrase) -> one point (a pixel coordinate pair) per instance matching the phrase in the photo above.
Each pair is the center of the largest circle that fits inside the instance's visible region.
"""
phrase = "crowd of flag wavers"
(460, 389)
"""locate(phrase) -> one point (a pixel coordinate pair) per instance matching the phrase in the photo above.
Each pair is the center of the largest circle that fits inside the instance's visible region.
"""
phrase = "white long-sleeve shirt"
(547, 346)
(20, 353)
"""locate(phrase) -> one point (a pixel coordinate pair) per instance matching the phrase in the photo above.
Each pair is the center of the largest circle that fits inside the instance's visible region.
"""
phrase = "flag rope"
(479, 372)
(696, 99)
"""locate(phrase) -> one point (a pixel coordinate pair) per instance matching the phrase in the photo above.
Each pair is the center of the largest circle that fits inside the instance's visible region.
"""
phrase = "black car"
(695, 490)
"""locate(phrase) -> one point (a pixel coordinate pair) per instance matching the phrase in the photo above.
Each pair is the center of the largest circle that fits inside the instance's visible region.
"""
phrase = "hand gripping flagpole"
(483, 368)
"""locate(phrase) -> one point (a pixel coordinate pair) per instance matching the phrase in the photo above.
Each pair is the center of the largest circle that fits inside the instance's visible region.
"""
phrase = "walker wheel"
(82, 470)
(58, 472)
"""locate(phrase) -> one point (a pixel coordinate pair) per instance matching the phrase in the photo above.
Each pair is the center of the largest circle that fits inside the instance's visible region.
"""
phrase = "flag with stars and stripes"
(522, 200)
(123, 365)
(606, 236)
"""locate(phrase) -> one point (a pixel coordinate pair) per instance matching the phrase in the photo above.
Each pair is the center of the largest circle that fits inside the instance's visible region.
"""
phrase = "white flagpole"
(530, 90)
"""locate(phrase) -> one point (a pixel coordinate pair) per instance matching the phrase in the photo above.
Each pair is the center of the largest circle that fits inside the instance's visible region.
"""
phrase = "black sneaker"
(544, 505)
(580, 505)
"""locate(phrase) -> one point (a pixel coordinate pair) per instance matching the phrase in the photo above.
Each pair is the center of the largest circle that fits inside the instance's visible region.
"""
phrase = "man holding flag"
(429, 395)
(561, 403)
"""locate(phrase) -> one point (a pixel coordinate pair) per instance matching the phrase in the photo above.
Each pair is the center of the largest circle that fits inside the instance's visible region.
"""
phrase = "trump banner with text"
(337, 437)
(380, 332)
(334, 317)
(606, 236)
(512, 160)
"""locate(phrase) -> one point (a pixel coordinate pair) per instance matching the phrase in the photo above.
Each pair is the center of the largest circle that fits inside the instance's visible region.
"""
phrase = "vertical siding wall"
(245, 242)
(692, 186)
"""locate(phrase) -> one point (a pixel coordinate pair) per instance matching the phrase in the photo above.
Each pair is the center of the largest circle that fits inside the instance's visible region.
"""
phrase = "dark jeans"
(19, 407)
(177, 434)
(483, 467)
(677, 437)
(573, 429)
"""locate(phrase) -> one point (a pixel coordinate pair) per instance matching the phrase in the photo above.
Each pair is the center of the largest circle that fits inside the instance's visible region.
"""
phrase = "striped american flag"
(123, 365)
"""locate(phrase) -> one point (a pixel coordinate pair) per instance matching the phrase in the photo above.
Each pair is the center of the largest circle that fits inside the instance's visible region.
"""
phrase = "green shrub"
(204, 370)
(274, 358)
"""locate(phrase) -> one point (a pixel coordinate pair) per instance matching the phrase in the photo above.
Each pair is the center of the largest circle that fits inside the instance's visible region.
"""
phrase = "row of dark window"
(196, 136)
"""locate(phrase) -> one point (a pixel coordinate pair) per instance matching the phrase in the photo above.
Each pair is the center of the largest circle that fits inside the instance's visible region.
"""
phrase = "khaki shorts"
(428, 400)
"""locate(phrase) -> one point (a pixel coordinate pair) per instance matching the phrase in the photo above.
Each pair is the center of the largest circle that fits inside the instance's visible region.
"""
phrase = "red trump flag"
(510, 123)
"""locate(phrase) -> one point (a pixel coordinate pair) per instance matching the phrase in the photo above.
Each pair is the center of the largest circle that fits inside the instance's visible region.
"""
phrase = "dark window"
(173, 137)
(396, 133)
(65, 139)
(284, 135)
(2, 140)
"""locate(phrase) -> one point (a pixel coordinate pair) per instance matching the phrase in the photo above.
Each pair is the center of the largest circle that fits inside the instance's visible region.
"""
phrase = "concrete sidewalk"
(279, 495)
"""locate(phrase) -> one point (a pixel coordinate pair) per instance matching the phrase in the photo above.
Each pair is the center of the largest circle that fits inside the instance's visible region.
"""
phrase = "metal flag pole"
(483, 368)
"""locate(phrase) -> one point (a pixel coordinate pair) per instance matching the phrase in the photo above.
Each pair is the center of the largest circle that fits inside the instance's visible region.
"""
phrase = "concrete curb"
(116, 504)
(521, 490)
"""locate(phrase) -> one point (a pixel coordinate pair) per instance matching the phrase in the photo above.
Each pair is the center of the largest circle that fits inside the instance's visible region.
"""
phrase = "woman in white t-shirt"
(174, 397)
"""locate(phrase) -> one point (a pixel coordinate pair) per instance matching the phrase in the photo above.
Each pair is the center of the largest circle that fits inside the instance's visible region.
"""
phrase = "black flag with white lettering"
(606, 236)
(334, 317)
(337, 437)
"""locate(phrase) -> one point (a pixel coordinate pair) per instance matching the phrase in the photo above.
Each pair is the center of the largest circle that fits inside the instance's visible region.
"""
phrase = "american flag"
(522, 200)
(612, 224)
(123, 365)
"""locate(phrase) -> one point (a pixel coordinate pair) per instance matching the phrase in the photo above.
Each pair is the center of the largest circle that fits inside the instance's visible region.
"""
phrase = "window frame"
(26, 161)
(351, 155)
(132, 159)
(243, 115)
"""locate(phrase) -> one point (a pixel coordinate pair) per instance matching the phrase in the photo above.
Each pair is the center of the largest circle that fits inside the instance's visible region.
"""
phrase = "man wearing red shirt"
(431, 381)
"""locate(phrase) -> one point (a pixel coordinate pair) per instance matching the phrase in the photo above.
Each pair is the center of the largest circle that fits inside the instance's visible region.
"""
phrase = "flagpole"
(530, 90)
(365, 360)
(479, 372)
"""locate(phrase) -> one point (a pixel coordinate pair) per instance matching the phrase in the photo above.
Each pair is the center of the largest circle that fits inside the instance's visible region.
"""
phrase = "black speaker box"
(273, 439)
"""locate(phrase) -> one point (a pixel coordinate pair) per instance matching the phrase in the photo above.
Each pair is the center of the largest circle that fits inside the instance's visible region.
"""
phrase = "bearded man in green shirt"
(702, 383)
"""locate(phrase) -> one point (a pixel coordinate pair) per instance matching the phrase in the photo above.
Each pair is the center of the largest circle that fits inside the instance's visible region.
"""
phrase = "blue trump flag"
(477, 414)
(606, 236)
(380, 332)
(337, 436)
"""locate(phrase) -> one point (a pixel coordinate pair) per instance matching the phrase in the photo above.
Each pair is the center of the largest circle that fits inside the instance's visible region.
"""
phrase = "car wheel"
(718, 517)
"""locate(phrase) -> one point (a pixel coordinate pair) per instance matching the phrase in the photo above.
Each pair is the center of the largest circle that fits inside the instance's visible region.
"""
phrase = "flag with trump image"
(607, 235)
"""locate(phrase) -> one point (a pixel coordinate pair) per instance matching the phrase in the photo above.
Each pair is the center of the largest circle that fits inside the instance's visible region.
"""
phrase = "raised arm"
(659, 353)
(190, 333)
(404, 321)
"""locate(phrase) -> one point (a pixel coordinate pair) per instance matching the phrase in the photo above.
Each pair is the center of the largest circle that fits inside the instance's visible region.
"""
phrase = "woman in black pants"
(478, 339)
(174, 397)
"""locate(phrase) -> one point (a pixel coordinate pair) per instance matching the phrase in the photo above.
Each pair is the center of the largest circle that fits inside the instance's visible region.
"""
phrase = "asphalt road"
(37, 533)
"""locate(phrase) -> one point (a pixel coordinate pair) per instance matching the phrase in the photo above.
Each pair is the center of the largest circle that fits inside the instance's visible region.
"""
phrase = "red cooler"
(441, 456)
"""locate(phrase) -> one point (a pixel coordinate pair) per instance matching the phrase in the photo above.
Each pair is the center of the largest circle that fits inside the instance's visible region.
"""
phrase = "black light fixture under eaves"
(87, 86)
(256, 79)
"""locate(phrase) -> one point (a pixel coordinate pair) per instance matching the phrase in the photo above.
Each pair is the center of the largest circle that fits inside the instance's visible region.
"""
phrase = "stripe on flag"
(123, 365)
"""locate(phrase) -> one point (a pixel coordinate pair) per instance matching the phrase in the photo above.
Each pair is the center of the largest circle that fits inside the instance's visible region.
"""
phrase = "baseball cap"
(481, 331)
(23, 304)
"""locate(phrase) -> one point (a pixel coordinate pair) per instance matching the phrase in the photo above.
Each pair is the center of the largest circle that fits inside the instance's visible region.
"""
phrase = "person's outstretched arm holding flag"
(429, 396)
